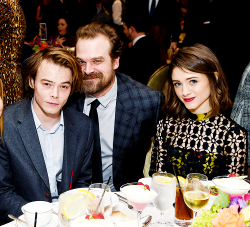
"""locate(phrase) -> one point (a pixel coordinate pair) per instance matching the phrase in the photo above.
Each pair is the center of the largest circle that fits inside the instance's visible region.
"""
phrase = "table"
(150, 210)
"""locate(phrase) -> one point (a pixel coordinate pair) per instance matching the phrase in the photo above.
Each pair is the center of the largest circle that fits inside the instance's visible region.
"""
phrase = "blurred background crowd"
(219, 24)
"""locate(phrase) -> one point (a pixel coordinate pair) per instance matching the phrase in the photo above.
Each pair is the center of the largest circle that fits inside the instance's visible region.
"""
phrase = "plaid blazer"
(241, 108)
(138, 110)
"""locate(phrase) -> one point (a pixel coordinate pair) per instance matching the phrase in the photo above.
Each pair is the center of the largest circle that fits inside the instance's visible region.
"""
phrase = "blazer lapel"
(30, 139)
(69, 152)
(125, 121)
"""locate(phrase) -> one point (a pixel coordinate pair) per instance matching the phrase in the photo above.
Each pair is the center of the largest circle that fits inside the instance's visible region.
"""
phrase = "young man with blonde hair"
(46, 148)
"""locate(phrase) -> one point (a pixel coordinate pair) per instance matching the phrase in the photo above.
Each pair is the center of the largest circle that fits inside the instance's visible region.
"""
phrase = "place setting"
(37, 214)
(167, 199)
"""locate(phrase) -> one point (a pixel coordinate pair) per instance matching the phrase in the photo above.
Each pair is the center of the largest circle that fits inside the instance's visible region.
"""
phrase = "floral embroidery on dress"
(213, 146)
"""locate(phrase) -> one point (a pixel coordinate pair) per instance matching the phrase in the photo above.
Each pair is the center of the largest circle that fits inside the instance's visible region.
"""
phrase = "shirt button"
(47, 195)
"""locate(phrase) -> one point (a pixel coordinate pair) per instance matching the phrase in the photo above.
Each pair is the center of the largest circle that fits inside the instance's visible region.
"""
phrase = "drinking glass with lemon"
(166, 184)
(197, 192)
(72, 204)
(102, 202)
(183, 214)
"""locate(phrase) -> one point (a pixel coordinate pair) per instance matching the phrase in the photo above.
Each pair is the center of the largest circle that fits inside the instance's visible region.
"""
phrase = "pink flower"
(235, 196)
(247, 197)
(229, 217)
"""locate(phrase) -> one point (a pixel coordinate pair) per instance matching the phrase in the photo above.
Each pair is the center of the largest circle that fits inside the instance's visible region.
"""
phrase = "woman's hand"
(60, 41)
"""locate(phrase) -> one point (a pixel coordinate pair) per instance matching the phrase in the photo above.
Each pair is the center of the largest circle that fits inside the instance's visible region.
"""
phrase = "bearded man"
(128, 111)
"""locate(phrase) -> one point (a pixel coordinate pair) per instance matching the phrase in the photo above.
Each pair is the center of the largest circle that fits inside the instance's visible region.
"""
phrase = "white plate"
(114, 197)
(233, 189)
(53, 223)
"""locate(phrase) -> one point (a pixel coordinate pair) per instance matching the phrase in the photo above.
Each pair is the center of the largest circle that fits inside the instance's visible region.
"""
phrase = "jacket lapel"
(125, 121)
(30, 139)
(69, 153)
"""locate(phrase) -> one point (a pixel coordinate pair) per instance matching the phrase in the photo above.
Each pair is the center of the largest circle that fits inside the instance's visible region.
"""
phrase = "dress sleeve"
(157, 150)
(4, 10)
(236, 150)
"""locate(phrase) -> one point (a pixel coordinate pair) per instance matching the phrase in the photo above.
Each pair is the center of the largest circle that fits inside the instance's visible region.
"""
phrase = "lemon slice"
(85, 192)
(74, 206)
(182, 181)
(163, 179)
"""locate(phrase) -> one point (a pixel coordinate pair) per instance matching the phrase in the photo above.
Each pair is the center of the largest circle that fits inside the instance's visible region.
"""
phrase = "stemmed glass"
(101, 202)
(138, 197)
(196, 193)
(166, 184)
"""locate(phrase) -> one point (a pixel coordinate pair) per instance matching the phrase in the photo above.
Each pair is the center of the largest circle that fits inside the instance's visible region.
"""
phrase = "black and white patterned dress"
(197, 144)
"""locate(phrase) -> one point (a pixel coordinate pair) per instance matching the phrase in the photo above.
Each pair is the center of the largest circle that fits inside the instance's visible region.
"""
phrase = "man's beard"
(93, 87)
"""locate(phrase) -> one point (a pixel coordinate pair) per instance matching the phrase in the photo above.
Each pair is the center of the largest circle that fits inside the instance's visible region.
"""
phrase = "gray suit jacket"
(23, 174)
(241, 108)
(138, 109)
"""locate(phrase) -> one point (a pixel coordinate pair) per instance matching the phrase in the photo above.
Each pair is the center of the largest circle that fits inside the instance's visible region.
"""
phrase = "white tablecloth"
(150, 210)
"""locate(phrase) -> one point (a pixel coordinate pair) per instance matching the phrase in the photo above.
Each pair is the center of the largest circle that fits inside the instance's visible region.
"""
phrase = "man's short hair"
(103, 18)
(57, 56)
(90, 31)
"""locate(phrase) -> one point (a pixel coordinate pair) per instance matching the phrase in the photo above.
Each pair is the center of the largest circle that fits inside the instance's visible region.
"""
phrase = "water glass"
(166, 184)
(101, 202)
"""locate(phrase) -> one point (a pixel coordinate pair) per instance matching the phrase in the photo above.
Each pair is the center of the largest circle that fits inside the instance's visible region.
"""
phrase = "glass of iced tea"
(183, 214)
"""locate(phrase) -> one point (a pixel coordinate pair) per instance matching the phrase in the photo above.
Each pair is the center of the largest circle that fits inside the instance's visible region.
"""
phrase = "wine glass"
(166, 184)
(139, 197)
(101, 202)
(196, 194)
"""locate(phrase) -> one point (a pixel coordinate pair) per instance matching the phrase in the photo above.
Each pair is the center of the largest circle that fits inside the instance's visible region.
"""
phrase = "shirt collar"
(150, 3)
(106, 99)
(137, 38)
(38, 123)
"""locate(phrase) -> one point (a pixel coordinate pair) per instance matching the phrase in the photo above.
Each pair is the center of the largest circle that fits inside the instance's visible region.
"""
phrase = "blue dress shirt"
(52, 145)
(106, 117)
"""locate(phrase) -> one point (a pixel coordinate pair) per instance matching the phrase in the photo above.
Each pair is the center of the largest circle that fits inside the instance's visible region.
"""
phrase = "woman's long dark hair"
(198, 59)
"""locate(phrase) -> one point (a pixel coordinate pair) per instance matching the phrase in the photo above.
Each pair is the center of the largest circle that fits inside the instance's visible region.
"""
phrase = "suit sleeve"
(11, 203)
(159, 108)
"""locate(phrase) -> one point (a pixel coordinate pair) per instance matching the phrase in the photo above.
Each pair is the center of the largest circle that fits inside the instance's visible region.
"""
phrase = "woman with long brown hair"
(195, 136)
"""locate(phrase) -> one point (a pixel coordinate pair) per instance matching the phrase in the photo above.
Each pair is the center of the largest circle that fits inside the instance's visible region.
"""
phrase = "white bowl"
(43, 209)
(146, 180)
(232, 185)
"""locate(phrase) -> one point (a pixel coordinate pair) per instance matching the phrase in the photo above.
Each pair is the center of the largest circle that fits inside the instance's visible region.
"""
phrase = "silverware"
(123, 199)
(146, 220)
(18, 219)
(129, 205)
